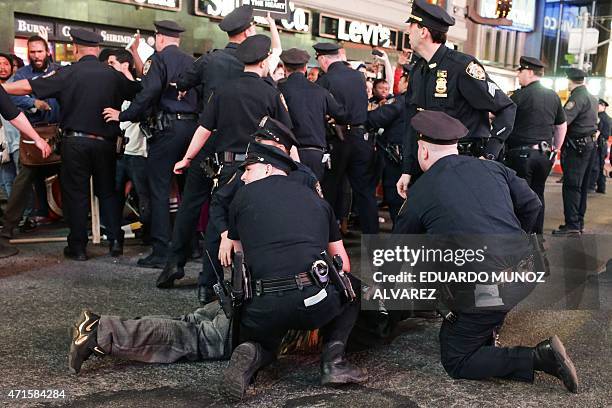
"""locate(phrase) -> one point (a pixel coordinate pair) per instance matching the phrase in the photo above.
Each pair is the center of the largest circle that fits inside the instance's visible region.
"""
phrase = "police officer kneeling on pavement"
(293, 283)
(465, 195)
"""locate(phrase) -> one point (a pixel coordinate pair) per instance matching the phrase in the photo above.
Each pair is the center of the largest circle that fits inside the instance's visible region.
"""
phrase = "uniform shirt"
(456, 83)
(222, 198)
(162, 69)
(7, 109)
(236, 109)
(283, 227)
(349, 89)
(604, 129)
(83, 90)
(26, 102)
(538, 110)
(581, 113)
(308, 104)
(466, 195)
(211, 70)
(391, 118)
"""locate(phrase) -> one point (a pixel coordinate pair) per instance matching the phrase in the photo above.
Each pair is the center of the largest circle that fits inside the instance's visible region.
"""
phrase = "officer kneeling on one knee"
(465, 195)
(294, 285)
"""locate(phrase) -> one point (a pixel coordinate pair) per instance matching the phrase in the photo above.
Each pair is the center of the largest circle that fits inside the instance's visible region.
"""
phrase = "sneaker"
(84, 340)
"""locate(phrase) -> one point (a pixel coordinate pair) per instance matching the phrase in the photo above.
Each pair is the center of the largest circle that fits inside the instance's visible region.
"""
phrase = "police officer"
(279, 250)
(464, 195)
(388, 122)
(175, 121)
(353, 156)
(210, 72)
(455, 83)
(235, 112)
(578, 148)
(598, 177)
(83, 90)
(308, 105)
(539, 130)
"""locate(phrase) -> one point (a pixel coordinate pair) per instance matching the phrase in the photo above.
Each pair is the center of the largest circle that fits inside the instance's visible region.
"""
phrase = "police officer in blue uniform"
(353, 156)
(539, 130)
(309, 105)
(598, 177)
(83, 90)
(465, 195)
(279, 249)
(234, 112)
(455, 83)
(209, 72)
(175, 120)
(578, 149)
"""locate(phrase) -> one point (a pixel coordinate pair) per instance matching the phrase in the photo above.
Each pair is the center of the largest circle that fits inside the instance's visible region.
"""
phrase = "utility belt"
(393, 152)
(72, 133)
(542, 146)
(579, 144)
(161, 121)
(213, 164)
(474, 147)
(313, 148)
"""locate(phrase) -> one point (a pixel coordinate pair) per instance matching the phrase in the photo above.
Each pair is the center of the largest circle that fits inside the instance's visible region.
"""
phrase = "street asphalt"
(41, 295)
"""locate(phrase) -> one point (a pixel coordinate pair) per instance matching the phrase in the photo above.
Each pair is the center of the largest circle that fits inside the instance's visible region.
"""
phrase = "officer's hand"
(181, 95)
(402, 185)
(179, 167)
(111, 115)
(41, 105)
(44, 147)
(225, 250)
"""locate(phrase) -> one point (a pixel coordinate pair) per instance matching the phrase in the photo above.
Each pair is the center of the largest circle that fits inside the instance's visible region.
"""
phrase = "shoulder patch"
(146, 67)
(570, 105)
(476, 71)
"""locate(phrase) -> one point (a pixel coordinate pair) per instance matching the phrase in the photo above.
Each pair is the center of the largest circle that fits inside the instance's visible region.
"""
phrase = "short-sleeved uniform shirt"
(7, 109)
(538, 110)
(236, 109)
(349, 89)
(282, 225)
(581, 112)
(83, 90)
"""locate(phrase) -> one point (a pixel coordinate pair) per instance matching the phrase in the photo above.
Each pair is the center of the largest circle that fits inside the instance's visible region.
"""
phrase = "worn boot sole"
(74, 360)
(568, 371)
(236, 378)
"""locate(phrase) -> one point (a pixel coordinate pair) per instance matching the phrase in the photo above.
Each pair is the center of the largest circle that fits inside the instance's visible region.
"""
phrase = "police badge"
(146, 67)
(441, 87)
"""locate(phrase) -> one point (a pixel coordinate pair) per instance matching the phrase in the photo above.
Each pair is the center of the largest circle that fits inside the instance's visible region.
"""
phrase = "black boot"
(77, 254)
(336, 369)
(246, 359)
(206, 295)
(84, 341)
(171, 272)
(550, 356)
(152, 261)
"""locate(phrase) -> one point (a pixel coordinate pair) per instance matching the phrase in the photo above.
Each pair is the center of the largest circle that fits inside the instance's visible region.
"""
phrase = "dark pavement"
(41, 294)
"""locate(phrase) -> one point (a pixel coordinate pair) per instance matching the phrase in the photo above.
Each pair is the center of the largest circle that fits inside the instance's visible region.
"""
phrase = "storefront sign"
(359, 32)
(280, 8)
(30, 26)
(298, 19)
(172, 5)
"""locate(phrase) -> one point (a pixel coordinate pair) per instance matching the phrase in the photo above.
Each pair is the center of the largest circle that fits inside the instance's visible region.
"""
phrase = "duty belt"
(299, 281)
(231, 157)
(182, 116)
(72, 133)
(316, 148)
(542, 146)
(585, 139)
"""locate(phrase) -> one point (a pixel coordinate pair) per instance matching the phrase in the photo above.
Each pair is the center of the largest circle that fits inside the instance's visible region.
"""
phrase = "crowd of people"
(269, 158)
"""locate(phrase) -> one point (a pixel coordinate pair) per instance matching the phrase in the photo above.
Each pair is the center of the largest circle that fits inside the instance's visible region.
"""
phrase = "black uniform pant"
(312, 157)
(212, 238)
(134, 168)
(354, 157)
(534, 166)
(467, 349)
(83, 158)
(598, 162)
(576, 172)
(391, 173)
(266, 319)
(165, 149)
(195, 194)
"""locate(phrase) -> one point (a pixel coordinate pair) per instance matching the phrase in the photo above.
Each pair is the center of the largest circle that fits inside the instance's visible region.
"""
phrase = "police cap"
(168, 28)
(272, 129)
(326, 48)
(260, 153)
(530, 63)
(438, 128)
(603, 102)
(85, 37)
(430, 16)
(254, 49)
(575, 74)
(295, 56)
(237, 21)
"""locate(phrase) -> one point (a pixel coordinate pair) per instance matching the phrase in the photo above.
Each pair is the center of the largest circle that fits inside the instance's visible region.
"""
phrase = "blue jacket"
(26, 103)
